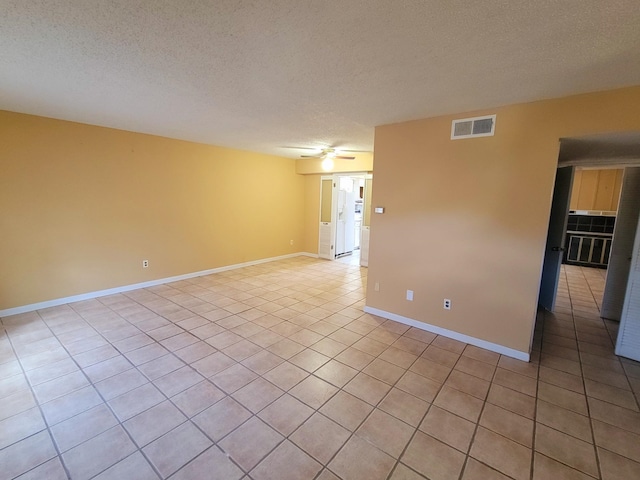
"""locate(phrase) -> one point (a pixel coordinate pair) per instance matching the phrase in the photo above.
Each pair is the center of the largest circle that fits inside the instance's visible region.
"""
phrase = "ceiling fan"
(328, 152)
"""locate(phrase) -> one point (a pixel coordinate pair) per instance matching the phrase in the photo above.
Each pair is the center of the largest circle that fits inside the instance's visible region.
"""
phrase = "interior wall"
(311, 212)
(82, 206)
(467, 219)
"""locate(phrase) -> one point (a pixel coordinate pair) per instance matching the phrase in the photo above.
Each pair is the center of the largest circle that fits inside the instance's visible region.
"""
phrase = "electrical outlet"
(290, 242)
(410, 295)
(145, 263)
(447, 304)
(376, 286)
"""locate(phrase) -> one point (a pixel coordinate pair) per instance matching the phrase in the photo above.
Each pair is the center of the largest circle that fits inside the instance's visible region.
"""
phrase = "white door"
(366, 220)
(622, 246)
(628, 343)
(326, 231)
(555, 238)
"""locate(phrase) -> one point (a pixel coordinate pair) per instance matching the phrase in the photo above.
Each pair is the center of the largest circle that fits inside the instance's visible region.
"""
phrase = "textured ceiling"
(262, 75)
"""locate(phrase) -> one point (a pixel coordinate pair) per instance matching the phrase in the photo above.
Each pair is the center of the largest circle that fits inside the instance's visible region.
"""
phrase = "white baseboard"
(494, 347)
(135, 286)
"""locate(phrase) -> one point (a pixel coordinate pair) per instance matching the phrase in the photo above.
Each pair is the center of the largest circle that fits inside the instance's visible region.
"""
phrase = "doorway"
(597, 255)
(345, 201)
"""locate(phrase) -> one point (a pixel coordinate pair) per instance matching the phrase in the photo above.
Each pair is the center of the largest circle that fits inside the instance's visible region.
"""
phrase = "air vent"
(473, 127)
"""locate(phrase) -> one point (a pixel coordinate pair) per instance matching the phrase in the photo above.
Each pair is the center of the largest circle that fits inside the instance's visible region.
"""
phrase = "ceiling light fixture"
(327, 164)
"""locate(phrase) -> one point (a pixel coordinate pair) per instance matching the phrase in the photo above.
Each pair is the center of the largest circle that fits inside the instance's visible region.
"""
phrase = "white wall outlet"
(410, 295)
(376, 286)
(446, 304)
(290, 242)
(145, 263)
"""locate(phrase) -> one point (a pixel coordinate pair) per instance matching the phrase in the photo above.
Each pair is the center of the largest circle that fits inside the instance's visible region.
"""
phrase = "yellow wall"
(311, 212)
(82, 206)
(596, 189)
(467, 219)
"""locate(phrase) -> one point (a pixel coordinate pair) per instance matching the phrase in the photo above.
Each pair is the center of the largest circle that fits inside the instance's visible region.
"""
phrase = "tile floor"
(274, 372)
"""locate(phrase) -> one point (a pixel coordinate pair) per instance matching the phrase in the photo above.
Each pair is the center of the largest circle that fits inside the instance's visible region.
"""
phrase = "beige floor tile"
(418, 386)
(286, 462)
(384, 371)
(250, 443)
(545, 468)
(355, 358)
(386, 432)
(617, 396)
(519, 383)
(449, 428)
(431, 370)
(286, 375)
(474, 470)
(257, 394)
(476, 368)
(113, 445)
(262, 362)
(481, 354)
(51, 470)
(26, 454)
(198, 397)
(398, 357)
(410, 345)
(449, 344)
(617, 440)
(210, 464)
(614, 415)
(563, 398)
(347, 410)
(402, 472)
(233, 378)
(321, 437)
(336, 373)
(286, 414)
(137, 400)
(212, 364)
(313, 391)
(566, 449)
(153, 423)
(285, 348)
(502, 454)
(359, 460)
(562, 379)
(459, 403)
(508, 424)
(134, 466)
(309, 360)
(406, 407)
(433, 458)
(367, 388)
(222, 418)
(468, 384)
(564, 420)
(616, 467)
(176, 448)
(511, 400)
(441, 356)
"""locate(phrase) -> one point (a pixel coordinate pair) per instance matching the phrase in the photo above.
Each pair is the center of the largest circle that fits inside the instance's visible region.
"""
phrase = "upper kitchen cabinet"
(596, 190)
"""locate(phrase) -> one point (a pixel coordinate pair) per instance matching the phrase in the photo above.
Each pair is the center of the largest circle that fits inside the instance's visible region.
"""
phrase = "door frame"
(334, 210)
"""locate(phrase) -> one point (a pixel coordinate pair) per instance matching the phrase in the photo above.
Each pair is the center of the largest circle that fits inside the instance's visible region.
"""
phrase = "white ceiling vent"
(473, 127)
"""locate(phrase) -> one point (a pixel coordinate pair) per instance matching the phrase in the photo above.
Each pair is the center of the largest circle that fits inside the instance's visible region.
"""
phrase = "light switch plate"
(379, 210)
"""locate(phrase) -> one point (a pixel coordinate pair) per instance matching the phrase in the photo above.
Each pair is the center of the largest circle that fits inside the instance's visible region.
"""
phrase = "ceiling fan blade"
(310, 156)
(345, 158)
(352, 151)
(301, 148)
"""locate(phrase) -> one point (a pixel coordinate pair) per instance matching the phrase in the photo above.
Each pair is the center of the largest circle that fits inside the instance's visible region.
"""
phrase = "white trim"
(494, 347)
(152, 283)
